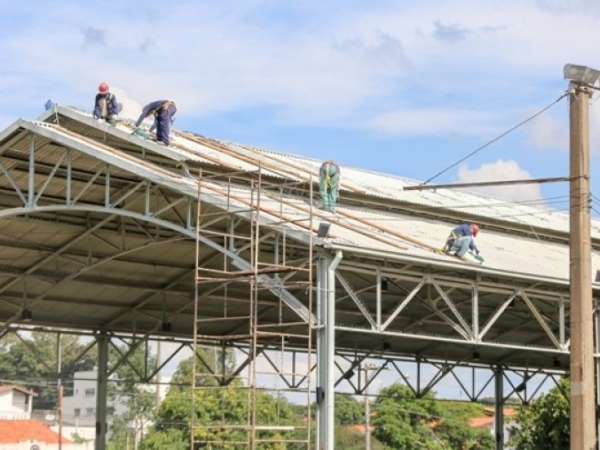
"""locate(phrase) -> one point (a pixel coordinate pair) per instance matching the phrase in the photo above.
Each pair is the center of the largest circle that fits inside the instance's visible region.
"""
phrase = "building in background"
(15, 402)
(79, 409)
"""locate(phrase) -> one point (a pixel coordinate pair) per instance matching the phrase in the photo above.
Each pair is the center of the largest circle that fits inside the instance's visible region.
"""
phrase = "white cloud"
(501, 170)
(395, 68)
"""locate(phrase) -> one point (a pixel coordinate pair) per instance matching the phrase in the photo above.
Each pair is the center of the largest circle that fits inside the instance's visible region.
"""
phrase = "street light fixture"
(581, 74)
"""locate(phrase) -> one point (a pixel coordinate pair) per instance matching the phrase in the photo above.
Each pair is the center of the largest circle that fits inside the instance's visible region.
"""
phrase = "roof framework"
(105, 232)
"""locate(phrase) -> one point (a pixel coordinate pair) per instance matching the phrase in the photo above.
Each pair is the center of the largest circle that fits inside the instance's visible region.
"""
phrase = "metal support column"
(321, 338)
(326, 350)
(101, 392)
(499, 408)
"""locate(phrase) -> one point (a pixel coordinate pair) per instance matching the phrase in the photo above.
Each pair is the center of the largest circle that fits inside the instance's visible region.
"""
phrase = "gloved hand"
(479, 258)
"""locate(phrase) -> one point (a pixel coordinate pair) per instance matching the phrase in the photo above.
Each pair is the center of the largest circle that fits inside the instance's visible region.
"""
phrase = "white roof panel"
(401, 231)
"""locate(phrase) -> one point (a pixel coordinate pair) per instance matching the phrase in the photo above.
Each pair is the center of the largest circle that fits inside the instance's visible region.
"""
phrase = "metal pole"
(583, 413)
(330, 330)
(101, 391)
(499, 407)
(60, 389)
(60, 416)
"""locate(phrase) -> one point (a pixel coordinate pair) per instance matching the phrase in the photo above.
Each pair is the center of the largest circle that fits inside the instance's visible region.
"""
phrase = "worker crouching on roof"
(461, 240)
(163, 112)
(329, 184)
(105, 105)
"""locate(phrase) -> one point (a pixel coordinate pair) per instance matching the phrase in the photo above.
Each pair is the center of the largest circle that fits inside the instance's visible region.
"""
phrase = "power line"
(497, 138)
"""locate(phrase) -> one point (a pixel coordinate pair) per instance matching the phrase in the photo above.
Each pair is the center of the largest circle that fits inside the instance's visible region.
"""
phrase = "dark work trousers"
(163, 123)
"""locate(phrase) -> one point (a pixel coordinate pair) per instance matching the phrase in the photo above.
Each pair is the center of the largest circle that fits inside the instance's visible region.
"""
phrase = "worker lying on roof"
(461, 240)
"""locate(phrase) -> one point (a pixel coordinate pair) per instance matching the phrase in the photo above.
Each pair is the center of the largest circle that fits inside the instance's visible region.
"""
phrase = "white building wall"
(14, 405)
(80, 408)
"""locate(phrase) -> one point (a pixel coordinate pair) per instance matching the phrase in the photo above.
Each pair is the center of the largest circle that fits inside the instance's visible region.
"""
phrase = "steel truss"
(124, 212)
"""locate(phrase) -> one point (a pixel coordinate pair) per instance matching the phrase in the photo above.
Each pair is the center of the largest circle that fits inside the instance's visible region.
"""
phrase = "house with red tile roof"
(15, 402)
(25, 434)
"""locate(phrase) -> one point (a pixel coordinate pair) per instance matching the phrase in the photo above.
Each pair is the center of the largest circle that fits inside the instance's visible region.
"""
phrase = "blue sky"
(403, 87)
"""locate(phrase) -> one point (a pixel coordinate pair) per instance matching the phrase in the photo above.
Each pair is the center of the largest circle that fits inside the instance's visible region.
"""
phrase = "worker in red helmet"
(460, 241)
(106, 106)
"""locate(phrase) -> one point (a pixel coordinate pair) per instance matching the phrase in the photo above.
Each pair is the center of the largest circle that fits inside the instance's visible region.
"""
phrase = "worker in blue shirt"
(163, 112)
(461, 240)
(105, 105)
(329, 184)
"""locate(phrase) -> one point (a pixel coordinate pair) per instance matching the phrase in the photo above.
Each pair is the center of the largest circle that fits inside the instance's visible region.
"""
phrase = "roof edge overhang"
(473, 268)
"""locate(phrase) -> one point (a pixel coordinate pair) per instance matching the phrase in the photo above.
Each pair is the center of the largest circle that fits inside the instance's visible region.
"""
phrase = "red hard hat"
(103, 88)
(475, 229)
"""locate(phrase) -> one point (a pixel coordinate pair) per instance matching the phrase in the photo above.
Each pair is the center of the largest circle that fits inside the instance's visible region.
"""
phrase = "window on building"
(89, 411)
(77, 412)
(90, 392)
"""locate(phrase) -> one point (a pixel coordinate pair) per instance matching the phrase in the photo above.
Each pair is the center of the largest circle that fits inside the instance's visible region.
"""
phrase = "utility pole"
(60, 389)
(583, 412)
(367, 368)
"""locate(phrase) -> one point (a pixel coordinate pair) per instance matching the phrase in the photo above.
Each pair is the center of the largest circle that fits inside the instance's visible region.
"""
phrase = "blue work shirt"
(150, 109)
(111, 105)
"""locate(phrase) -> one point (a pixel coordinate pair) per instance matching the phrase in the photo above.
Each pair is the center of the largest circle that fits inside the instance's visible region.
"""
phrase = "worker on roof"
(163, 112)
(461, 240)
(329, 184)
(106, 106)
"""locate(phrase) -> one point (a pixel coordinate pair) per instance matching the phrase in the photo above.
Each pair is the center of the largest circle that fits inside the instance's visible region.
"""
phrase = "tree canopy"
(544, 424)
(31, 360)
(404, 421)
(221, 413)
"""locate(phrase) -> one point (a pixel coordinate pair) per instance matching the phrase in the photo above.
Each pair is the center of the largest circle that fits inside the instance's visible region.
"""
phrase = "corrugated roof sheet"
(369, 228)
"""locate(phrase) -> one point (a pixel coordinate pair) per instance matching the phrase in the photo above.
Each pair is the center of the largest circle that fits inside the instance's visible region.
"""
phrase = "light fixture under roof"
(26, 315)
(323, 230)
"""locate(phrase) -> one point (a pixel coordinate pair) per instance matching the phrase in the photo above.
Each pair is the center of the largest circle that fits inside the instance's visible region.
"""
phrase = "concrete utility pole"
(583, 412)
(368, 368)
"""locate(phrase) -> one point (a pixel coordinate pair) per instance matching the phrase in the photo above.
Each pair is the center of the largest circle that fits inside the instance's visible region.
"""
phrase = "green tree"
(458, 434)
(544, 423)
(171, 438)
(31, 361)
(221, 412)
(348, 410)
(403, 421)
(454, 429)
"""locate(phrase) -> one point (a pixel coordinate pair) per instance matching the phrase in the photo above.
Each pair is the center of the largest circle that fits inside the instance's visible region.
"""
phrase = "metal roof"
(517, 239)
(98, 233)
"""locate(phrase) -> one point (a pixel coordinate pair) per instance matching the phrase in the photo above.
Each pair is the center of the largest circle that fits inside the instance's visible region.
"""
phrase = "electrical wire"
(496, 138)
